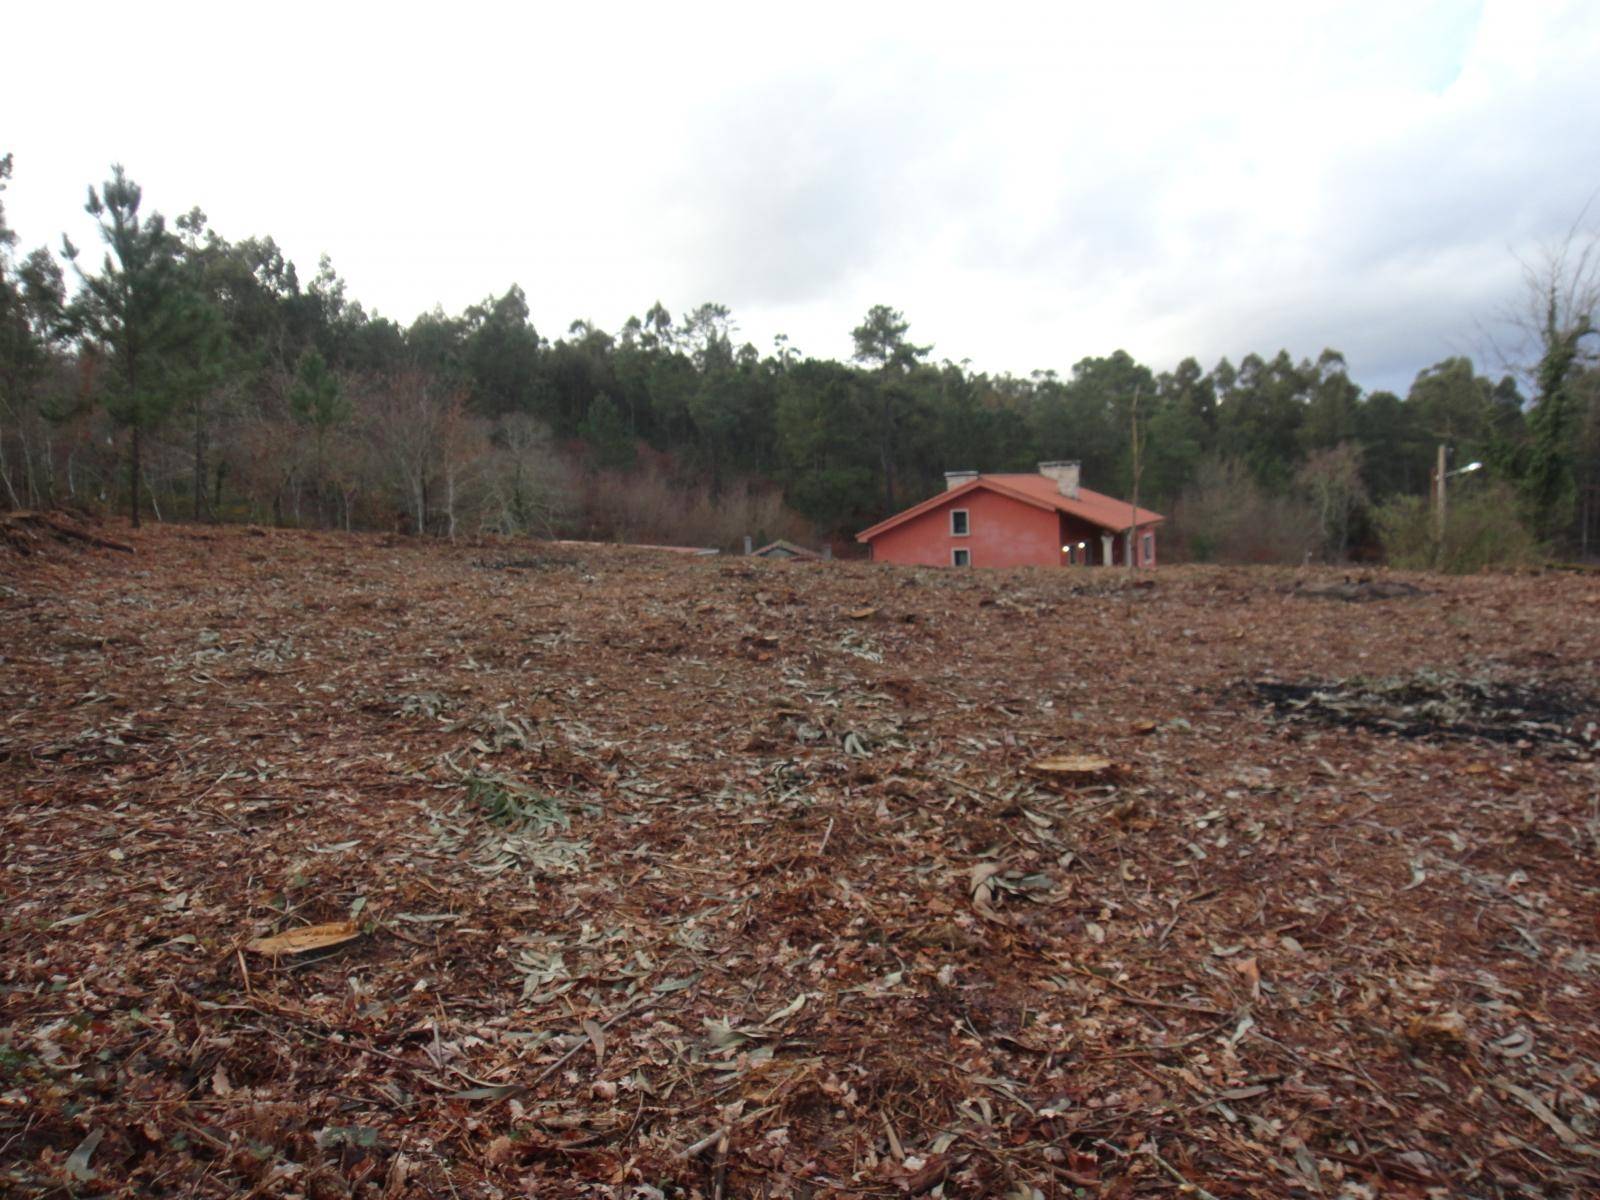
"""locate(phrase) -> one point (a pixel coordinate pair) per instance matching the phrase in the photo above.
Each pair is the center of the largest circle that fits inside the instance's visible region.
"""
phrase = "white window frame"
(1147, 548)
(964, 513)
(956, 553)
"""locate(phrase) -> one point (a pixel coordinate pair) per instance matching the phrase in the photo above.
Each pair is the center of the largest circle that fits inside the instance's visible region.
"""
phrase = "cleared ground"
(720, 877)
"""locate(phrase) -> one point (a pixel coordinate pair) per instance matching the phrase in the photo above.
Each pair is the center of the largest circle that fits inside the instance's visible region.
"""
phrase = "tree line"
(178, 373)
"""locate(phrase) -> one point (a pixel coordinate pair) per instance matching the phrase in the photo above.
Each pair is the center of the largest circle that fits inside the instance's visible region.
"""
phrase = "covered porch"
(1085, 544)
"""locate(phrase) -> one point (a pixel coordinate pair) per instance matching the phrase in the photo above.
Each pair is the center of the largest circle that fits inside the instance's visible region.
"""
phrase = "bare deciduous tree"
(1332, 479)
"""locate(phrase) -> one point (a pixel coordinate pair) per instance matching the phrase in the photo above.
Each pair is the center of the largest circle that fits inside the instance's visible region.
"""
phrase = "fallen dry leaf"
(1252, 975)
(983, 892)
(501, 1150)
(598, 1037)
(1539, 1109)
(1447, 1030)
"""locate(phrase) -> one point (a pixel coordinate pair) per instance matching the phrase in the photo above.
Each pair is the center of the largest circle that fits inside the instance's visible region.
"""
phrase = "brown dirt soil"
(673, 879)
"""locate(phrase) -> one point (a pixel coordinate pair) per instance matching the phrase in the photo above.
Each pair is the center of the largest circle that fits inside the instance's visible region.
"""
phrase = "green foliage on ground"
(506, 802)
(1482, 531)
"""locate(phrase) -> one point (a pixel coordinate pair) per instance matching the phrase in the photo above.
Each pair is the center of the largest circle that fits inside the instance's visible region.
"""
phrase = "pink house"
(1042, 520)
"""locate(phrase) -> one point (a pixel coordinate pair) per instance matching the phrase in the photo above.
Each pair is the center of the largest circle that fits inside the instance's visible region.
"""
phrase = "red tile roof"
(1095, 507)
(1038, 490)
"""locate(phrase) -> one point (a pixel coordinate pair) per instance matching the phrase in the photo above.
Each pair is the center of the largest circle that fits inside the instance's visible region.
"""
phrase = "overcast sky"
(1029, 184)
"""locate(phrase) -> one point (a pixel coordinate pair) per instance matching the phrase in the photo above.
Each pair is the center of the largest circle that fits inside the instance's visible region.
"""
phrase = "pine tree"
(317, 400)
(141, 309)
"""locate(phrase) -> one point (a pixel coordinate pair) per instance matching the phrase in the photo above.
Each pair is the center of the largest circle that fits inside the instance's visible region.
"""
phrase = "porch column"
(1105, 549)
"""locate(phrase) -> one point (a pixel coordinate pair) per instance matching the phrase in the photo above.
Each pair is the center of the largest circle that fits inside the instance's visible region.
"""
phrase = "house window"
(959, 526)
(961, 558)
(1147, 548)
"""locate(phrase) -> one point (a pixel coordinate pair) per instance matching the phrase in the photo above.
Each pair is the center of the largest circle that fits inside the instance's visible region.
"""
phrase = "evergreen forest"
(171, 373)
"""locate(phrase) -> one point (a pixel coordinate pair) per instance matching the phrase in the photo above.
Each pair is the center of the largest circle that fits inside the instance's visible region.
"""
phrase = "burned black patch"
(1427, 705)
(543, 563)
(1358, 591)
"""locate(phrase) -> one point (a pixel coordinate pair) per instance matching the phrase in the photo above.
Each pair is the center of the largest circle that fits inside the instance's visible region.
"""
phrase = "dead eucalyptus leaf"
(1516, 1044)
(598, 1037)
(77, 1164)
(787, 1011)
(1252, 974)
(983, 892)
(981, 874)
(497, 1092)
(1539, 1109)
(1249, 1092)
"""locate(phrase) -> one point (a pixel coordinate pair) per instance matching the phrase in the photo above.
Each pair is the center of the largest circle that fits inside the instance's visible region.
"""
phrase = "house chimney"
(1065, 474)
(954, 479)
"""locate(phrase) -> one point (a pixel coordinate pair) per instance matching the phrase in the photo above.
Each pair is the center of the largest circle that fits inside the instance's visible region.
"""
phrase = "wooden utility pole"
(1438, 497)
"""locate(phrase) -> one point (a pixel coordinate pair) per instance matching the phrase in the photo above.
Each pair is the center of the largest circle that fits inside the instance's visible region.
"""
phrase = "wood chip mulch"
(342, 865)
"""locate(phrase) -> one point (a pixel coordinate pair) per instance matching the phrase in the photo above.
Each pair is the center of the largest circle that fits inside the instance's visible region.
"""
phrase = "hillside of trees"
(171, 372)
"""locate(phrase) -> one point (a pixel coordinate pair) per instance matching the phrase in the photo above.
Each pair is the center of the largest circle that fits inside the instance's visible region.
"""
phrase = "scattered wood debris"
(306, 939)
(25, 531)
(664, 877)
